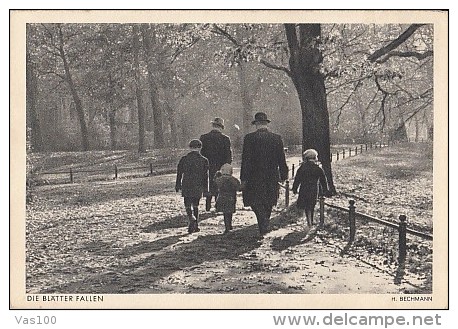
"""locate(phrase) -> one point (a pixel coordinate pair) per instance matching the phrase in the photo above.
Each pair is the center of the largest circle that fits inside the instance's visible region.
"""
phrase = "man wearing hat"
(216, 147)
(263, 166)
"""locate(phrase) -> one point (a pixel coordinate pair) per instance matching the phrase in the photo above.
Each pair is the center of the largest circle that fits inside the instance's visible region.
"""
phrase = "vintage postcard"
(222, 159)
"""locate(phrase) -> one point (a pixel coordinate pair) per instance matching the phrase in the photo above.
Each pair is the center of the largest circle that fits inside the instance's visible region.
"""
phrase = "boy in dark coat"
(308, 177)
(216, 147)
(192, 180)
(228, 186)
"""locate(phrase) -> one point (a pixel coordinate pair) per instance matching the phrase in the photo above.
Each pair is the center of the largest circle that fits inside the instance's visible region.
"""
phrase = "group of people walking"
(207, 171)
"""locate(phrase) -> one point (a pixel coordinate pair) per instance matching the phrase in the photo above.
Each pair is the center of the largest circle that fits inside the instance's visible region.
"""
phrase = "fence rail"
(348, 152)
(114, 171)
(150, 168)
(352, 212)
(400, 227)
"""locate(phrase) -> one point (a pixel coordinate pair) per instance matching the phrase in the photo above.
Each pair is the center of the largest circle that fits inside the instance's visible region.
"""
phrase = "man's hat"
(260, 117)
(218, 122)
(195, 144)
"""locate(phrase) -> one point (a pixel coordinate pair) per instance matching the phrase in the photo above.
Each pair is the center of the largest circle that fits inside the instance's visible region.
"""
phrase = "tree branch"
(179, 51)
(42, 73)
(276, 67)
(415, 54)
(395, 43)
(190, 89)
(417, 110)
(346, 82)
(382, 105)
(372, 101)
(340, 109)
(217, 30)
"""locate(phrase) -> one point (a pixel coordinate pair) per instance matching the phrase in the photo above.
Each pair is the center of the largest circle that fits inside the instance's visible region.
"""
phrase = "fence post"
(287, 193)
(116, 172)
(293, 171)
(356, 150)
(330, 158)
(71, 175)
(351, 217)
(371, 145)
(151, 168)
(402, 239)
(343, 154)
(337, 156)
(321, 210)
(366, 146)
(361, 149)
(349, 152)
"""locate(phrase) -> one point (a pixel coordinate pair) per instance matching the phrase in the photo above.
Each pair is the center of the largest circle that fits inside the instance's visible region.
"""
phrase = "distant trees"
(384, 72)
(34, 136)
(158, 85)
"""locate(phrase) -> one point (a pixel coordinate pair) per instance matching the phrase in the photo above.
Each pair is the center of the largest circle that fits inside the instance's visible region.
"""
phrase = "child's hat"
(195, 144)
(311, 154)
(226, 169)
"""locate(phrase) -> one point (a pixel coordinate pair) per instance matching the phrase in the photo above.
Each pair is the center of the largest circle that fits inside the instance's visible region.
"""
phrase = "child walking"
(228, 186)
(309, 177)
(192, 180)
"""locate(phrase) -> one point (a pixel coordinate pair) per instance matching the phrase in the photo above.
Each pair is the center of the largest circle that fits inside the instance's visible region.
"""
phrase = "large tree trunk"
(156, 108)
(31, 101)
(138, 90)
(417, 129)
(247, 101)
(305, 59)
(112, 115)
(76, 98)
(171, 116)
(112, 123)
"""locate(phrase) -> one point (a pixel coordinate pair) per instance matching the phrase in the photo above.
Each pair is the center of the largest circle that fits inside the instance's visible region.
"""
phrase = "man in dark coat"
(216, 147)
(192, 180)
(263, 166)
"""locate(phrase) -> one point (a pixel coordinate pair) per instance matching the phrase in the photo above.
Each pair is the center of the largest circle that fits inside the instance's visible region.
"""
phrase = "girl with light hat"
(309, 177)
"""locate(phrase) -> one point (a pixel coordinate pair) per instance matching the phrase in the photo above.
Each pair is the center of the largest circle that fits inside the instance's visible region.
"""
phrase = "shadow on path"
(174, 222)
(294, 238)
(145, 273)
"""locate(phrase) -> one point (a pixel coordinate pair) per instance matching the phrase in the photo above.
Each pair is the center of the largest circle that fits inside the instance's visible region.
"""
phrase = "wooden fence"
(150, 170)
(400, 227)
(113, 173)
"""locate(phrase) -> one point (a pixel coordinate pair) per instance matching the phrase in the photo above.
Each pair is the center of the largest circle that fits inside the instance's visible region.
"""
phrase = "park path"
(136, 242)
(290, 259)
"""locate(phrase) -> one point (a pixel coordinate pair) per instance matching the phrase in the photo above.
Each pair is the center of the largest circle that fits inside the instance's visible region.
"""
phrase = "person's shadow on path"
(143, 274)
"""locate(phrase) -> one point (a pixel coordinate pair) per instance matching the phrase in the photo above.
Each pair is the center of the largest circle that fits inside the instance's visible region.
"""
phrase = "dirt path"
(133, 243)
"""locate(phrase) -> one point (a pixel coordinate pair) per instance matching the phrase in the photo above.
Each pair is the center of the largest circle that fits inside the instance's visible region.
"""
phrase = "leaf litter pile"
(129, 236)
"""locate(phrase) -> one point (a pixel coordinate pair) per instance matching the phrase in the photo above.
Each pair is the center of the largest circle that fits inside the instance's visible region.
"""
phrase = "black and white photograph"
(229, 159)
